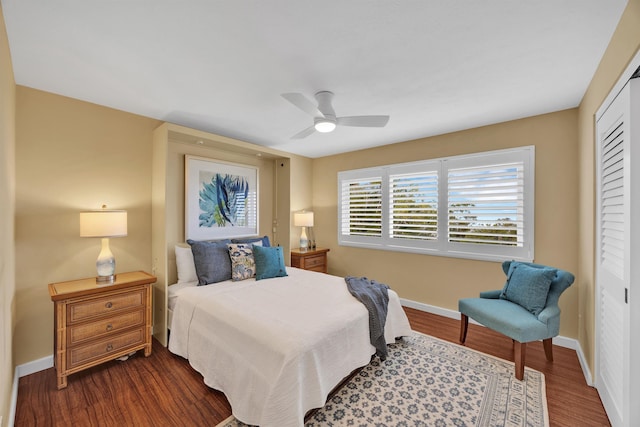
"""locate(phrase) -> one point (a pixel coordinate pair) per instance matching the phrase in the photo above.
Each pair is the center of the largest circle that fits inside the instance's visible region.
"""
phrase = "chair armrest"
(549, 313)
(491, 294)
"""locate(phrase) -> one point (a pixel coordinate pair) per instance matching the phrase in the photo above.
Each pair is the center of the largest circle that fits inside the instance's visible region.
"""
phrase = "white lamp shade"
(103, 223)
(303, 219)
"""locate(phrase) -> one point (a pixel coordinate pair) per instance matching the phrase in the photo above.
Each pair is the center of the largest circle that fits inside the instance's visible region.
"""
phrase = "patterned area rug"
(429, 382)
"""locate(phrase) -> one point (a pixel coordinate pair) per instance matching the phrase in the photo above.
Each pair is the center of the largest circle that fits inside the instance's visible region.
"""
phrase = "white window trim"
(441, 246)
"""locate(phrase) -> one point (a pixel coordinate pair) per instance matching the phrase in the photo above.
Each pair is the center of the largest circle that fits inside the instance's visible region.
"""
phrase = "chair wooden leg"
(548, 349)
(519, 354)
(464, 324)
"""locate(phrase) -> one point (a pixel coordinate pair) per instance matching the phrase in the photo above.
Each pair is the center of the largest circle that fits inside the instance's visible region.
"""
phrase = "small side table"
(95, 323)
(310, 259)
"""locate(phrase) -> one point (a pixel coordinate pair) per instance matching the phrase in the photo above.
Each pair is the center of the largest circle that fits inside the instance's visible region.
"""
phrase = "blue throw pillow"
(264, 240)
(212, 261)
(528, 286)
(269, 262)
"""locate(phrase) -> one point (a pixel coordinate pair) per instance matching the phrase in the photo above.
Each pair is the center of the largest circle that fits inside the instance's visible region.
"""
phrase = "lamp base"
(304, 241)
(106, 280)
(106, 264)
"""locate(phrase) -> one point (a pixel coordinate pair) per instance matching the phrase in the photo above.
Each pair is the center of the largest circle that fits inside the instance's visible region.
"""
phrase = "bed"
(276, 347)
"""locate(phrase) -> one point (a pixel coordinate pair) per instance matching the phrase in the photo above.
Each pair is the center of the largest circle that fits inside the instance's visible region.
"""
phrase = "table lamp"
(104, 224)
(303, 219)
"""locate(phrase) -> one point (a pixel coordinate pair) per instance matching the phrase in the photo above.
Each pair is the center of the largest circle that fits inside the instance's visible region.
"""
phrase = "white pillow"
(185, 264)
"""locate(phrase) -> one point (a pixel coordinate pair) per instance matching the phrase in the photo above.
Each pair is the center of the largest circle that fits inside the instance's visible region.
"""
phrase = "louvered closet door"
(613, 260)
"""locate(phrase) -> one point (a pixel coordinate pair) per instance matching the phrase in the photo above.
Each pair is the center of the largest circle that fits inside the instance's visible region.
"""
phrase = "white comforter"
(277, 347)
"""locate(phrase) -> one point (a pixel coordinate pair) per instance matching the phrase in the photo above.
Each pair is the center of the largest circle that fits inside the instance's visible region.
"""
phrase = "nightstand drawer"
(103, 306)
(81, 355)
(315, 261)
(310, 259)
(112, 325)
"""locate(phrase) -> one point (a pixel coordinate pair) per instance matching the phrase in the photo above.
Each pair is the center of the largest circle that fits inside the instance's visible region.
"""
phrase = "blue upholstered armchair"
(525, 310)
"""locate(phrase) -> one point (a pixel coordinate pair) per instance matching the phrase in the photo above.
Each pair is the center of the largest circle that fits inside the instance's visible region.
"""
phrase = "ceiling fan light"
(324, 126)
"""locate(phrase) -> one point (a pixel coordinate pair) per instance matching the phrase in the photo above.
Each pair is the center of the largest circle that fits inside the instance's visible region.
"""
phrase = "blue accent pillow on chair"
(269, 262)
(528, 286)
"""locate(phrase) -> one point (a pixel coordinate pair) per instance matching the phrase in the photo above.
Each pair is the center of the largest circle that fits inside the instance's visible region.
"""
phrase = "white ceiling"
(220, 66)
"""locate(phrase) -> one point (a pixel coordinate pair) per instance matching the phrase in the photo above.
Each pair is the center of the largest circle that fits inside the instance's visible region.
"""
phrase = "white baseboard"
(21, 371)
(444, 312)
(14, 400)
(430, 309)
(35, 366)
(585, 366)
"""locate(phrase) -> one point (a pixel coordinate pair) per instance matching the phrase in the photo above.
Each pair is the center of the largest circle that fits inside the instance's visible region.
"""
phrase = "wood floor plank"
(163, 390)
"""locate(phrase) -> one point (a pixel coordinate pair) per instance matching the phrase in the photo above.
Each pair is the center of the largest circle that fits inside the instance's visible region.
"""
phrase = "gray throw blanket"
(375, 298)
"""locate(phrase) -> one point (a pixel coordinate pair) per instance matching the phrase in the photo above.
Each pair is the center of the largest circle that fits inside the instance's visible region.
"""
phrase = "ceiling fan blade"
(303, 103)
(363, 121)
(305, 133)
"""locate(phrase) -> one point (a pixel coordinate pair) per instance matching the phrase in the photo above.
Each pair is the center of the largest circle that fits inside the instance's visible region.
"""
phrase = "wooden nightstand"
(310, 259)
(95, 323)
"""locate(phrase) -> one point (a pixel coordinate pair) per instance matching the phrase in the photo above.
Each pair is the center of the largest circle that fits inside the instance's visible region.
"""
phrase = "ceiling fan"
(324, 117)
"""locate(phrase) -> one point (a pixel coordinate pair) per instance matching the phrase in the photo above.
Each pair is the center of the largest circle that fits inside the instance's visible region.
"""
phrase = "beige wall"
(441, 281)
(72, 156)
(300, 194)
(623, 47)
(7, 201)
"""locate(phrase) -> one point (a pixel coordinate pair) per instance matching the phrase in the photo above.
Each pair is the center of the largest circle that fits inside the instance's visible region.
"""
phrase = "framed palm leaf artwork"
(221, 199)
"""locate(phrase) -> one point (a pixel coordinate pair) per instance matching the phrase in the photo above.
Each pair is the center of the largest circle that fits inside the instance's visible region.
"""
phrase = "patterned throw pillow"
(243, 265)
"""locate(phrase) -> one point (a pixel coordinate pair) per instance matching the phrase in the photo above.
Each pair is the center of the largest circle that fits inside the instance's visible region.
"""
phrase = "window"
(413, 206)
(361, 219)
(476, 206)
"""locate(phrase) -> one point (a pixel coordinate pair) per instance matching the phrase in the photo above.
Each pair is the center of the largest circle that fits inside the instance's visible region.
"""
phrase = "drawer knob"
(109, 327)
(109, 304)
(109, 347)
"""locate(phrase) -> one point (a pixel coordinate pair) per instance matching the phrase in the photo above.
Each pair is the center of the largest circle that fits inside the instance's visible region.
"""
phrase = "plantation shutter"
(413, 206)
(486, 204)
(612, 201)
(361, 207)
(252, 209)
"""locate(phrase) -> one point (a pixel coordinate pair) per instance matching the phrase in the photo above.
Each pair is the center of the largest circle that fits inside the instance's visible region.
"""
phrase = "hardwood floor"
(163, 390)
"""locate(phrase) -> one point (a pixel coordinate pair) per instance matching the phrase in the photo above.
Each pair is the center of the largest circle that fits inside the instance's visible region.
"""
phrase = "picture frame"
(221, 199)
